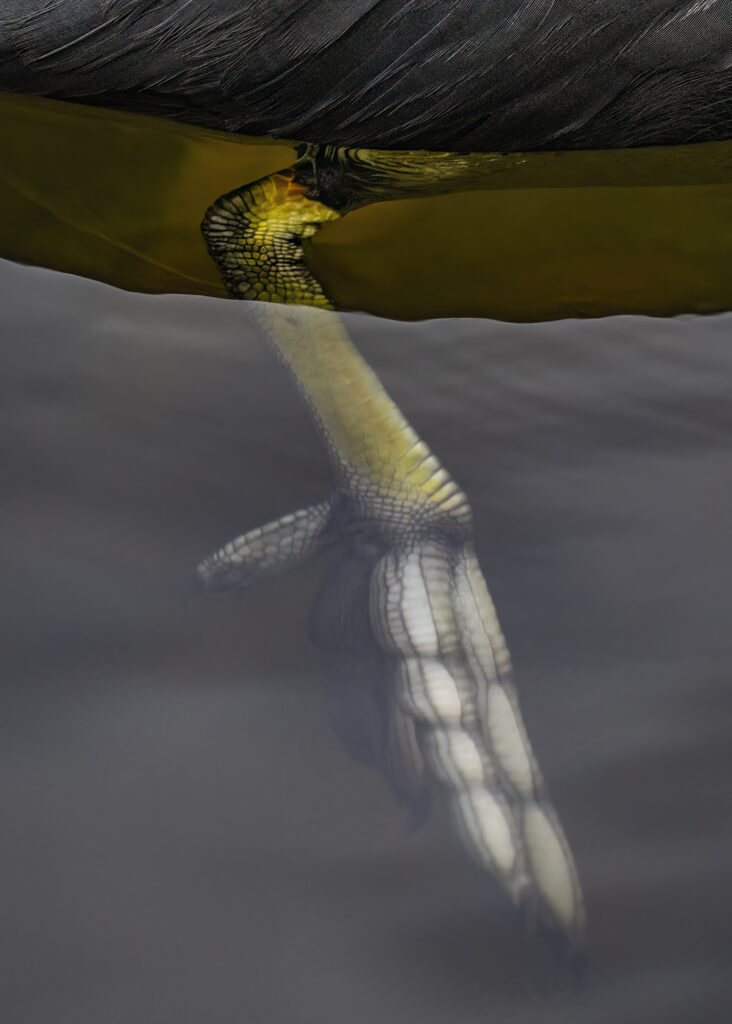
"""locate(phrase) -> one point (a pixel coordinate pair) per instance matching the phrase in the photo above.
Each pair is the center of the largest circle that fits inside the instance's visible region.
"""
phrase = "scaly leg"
(257, 234)
(422, 682)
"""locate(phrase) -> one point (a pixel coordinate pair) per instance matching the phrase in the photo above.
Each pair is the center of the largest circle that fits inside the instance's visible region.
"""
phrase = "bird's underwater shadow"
(358, 696)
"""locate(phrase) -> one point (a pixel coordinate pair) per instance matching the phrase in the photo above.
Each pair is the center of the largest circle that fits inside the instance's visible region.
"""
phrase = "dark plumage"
(433, 74)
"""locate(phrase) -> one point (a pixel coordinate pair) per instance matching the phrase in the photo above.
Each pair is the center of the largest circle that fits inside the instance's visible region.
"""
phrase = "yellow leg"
(257, 234)
(404, 613)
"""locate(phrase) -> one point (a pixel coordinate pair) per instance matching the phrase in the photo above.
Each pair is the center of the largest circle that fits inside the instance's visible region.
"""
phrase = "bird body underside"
(458, 75)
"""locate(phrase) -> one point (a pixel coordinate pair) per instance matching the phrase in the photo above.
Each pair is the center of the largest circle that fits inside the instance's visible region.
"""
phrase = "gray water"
(184, 839)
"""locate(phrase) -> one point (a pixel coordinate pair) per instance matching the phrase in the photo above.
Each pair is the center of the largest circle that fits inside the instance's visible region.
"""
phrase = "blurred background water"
(184, 839)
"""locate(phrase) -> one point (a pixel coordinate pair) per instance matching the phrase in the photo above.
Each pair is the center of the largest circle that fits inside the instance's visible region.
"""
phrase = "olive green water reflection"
(119, 197)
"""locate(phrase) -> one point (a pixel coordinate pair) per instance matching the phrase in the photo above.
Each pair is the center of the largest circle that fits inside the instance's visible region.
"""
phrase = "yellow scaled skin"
(374, 449)
(120, 198)
(256, 234)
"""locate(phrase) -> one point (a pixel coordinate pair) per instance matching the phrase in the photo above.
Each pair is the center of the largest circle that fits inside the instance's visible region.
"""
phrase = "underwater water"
(184, 838)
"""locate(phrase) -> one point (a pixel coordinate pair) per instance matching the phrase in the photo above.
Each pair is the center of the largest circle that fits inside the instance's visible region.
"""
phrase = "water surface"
(184, 837)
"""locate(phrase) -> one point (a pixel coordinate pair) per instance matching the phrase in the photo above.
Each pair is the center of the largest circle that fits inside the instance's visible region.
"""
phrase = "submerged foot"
(420, 676)
(421, 681)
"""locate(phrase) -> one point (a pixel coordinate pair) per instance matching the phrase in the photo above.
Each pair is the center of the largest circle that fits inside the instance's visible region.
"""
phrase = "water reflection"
(119, 197)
